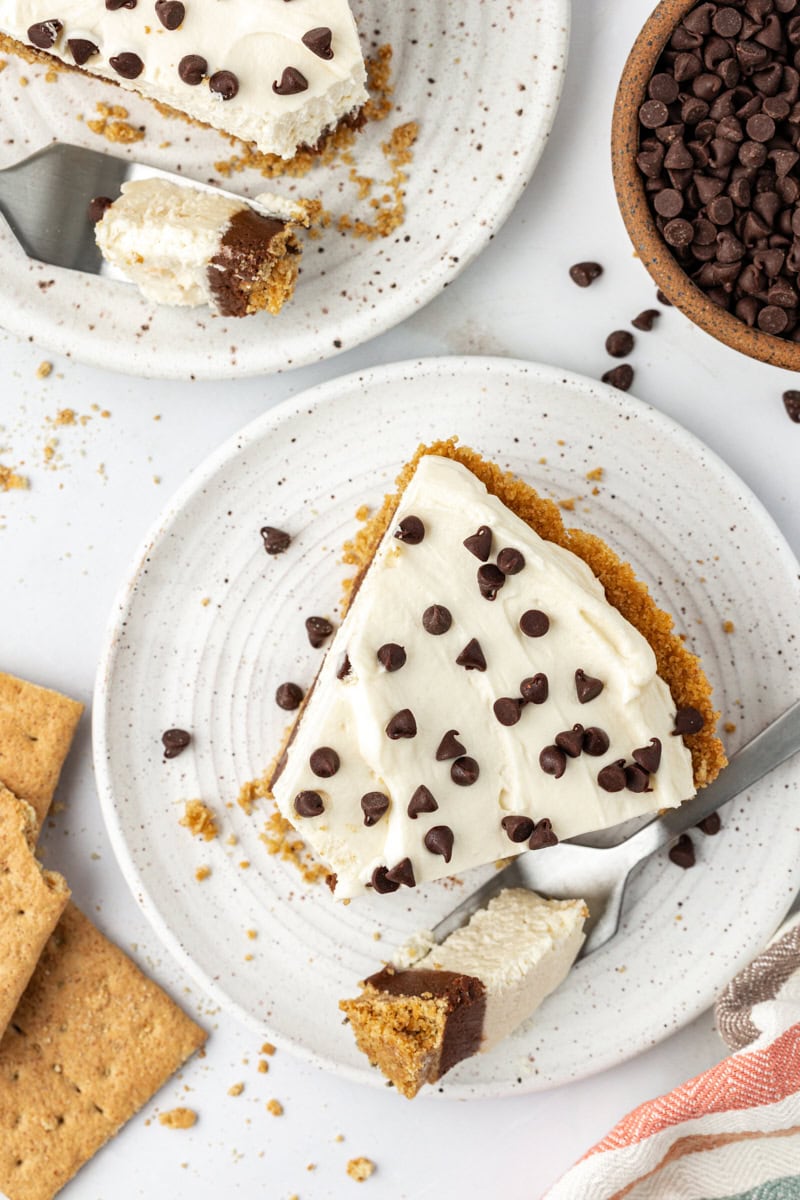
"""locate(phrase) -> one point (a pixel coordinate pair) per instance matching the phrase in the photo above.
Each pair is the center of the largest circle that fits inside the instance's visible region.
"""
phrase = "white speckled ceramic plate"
(482, 78)
(208, 625)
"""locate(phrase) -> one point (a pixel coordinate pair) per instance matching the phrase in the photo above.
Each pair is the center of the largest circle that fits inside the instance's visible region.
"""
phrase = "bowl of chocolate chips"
(706, 159)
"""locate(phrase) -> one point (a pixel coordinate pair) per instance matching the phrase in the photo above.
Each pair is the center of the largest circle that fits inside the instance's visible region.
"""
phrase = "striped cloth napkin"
(732, 1133)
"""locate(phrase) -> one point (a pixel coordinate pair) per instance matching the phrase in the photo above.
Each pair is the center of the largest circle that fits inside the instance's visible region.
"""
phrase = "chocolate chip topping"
(587, 687)
(449, 747)
(534, 623)
(585, 273)
(224, 84)
(81, 50)
(553, 761)
(620, 377)
(391, 656)
(436, 619)
(480, 543)
(464, 771)
(571, 741)
(518, 829)
(410, 530)
(308, 804)
(318, 41)
(507, 710)
(619, 343)
(98, 207)
(710, 825)
(324, 762)
(612, 777)
(170, 13)
(319, 629)
(791, 402)
(535, 689)
(275, 540)
(595, 741)
(649, 757)
(44, 33)
(471, 657)
(344, 668)
(637, 779)
(490, 580)
(682, 853)
(646, 319)
(175, 742)
(688, 720)
(439, 840)
(421, 802)
(402, 873)
(402, 725)
(192, 69)
(543, 835)
(511, 561)
(288, 696)
(114, 5)
(128, 65)
(373, 806)
(292, 81)
(381, 883)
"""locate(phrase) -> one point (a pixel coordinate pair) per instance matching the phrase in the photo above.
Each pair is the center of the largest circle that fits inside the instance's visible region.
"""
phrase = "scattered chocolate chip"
(587, 687)
(464, 771)
(114, 5)
(383, 885)
(319, 41)
(510, 561)
(480, 543)
(682, 853)
(81, 50)
(436, 619)
(612, 777)
(324, 762)
(170, 13)
(490, 580)
(421, 802)
(507, 710)
(319, 629)
(98, 207)
(585, 273)
(688, 720)
(44, 33)
(410, 530)
(663, 298)
(471, 657)
(439, 840)
(373, 806)
(646, 319)
(791, 402)
(553, 761)
(402, 873)
(175, 742)
(292, 81)
(391, 656)
(595, 741)
(535, 689)
(224, 84)
(402, 725)
(308, 804)
(192, 69)
(619, 343)
(710, 825)
(543, 835)
(649, 757)
(128, 65)
(637, 779)
(275, 540)
(534, 623)
(519, 829)
(571, 741)
(345, 668)
(449, 746)
(288, 696)
(620, 377)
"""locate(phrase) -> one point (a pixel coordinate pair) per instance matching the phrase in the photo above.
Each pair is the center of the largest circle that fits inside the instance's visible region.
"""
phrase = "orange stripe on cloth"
(745, 1080)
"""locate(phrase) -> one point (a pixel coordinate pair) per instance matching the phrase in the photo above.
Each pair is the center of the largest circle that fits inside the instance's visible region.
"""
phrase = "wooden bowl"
(650, 246)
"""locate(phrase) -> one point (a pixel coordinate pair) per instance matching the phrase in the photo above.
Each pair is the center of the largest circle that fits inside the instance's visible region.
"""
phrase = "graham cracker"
(36, 730)
(90, 1042)
(31, 902)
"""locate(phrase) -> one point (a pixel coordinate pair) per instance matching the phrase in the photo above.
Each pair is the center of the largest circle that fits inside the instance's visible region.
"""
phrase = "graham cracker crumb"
(263, 1066)
(360, 1169)
(728, 626)
(267, 1048)
(64, 416)
(112, 124)
(178, 1118)
(362, 512)
(595, 475)
(236, 1089)
(199, 819)
(43, 370)
(202, 873)
(251, 933)
(275, 1107)
(567, 505)
(729, 727)
(9, 479)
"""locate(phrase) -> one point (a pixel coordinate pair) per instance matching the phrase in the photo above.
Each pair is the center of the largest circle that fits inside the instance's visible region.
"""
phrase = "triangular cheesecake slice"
(498, 683)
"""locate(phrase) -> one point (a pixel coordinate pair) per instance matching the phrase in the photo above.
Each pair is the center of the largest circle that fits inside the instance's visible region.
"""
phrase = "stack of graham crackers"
(86, 1038)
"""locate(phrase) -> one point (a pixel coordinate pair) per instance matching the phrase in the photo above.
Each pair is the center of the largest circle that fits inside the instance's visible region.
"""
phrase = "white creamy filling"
(256, 41)
(350, 715)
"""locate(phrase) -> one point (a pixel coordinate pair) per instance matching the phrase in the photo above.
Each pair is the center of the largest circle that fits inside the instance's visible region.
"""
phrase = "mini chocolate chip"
(402, 873)
(534, 623)
(637, 779)
(436, 619)
(175, 742)
(490, 580)
(480, 543)
(44, 33)
(114, 5)
(288, 696)
(192, 69)
(464, 771)
(507, 710)
(471, 657)
(653, 113)
(612, 777)
(587, 687)
(791, 402)
(620, 377)
(345, 668)
(595, 741)
(421, 802)
(663, 298)
(292, 82)
(645, 319)
(308, 804)
(128, 65)
(324, 762)
(391, 656)
(319, 629)
(619, 343)
(170, 13)
(402, 725)
(373, 806)
(649, 757)
(585, 273)
(224, 84)
(410, 530)
(535, 689)
(275, 540)
(98, 207)
(439, 840)
(382, 885)
(710, 825)
(571, 741)
(682, 853)
(519, 829)
(81, 50)
(543, 835)
(688, 720)
(510, 561)
(318, 41)
(553, 761)
(449, 746)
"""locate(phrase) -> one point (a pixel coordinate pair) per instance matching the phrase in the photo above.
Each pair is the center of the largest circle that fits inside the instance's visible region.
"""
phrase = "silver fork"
(600, 873)
(45, 200)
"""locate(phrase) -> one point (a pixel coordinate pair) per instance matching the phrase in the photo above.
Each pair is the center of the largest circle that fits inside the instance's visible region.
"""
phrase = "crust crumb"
(236, 1089)
(43, 370)
(178, 1118)
(200, 820)
(360, 1169)
(275, 1107)
(112, 124)
(9, 479)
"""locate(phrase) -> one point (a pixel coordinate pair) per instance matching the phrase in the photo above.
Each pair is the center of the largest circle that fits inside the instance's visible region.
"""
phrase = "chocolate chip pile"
(719, 149)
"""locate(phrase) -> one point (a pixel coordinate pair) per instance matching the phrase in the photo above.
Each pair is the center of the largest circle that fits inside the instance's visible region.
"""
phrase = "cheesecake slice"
(498, 683)
(277, 74)
(183, 245)
(470, 992)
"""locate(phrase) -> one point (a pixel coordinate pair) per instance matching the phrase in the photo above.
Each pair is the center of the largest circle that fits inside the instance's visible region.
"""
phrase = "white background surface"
(66, 543)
